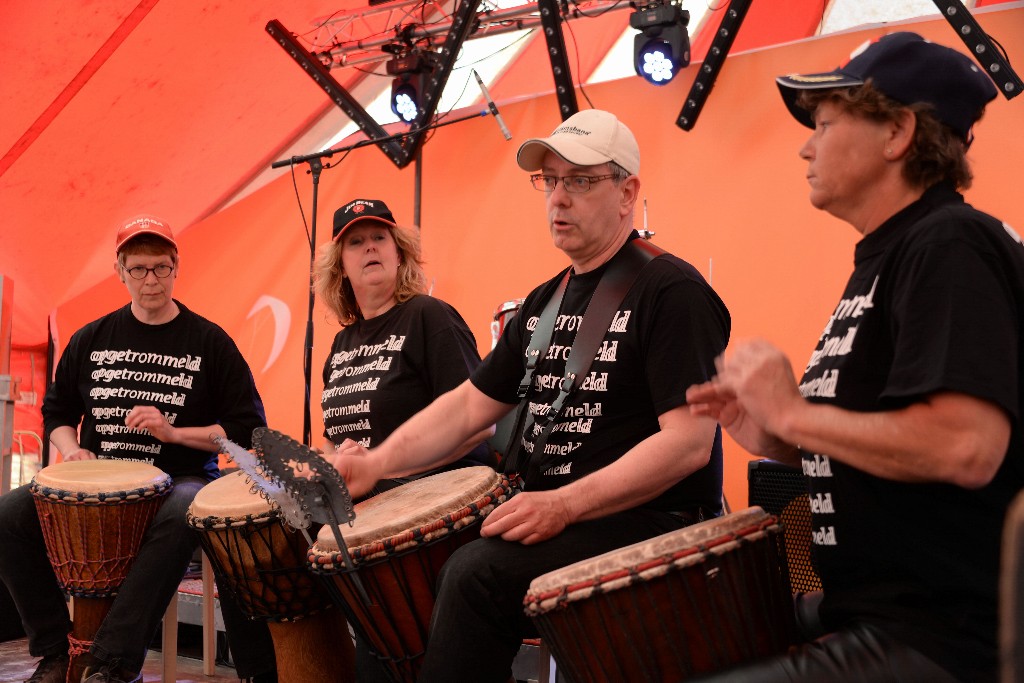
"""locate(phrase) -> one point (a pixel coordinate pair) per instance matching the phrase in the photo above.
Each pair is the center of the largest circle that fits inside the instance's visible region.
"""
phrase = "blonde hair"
(335, 290)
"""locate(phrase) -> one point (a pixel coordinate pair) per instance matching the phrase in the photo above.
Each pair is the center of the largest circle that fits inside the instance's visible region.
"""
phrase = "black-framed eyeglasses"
(576, 184)
(140, 272)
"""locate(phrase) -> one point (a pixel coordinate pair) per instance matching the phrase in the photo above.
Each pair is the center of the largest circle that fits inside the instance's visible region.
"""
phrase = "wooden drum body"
(689, 602)
(398, 543)
(261, 565)
(93, 514)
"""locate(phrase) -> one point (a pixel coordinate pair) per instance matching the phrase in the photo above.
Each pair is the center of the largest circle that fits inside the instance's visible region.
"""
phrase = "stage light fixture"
(723, 39)
(995, 63)
(551, 12)
(410, 70)
(662, 46)
(405, 99)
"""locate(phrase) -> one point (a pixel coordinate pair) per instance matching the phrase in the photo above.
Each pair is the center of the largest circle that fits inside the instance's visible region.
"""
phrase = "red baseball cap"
(143, 225)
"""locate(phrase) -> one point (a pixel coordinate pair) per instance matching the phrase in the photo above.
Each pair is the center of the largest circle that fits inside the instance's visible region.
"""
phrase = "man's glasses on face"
(140, 272)
(576, 184)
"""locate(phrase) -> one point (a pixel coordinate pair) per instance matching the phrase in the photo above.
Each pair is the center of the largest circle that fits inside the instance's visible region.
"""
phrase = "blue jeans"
(139, 606)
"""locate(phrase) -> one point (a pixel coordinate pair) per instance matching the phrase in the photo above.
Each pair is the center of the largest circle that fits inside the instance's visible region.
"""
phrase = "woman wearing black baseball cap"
(398, 348)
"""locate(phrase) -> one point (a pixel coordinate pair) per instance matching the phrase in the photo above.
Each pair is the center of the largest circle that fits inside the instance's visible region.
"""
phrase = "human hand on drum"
(350, 447)
(753, 393)
(357, 470)
(528, 517)
(79, 454)
(151, 419)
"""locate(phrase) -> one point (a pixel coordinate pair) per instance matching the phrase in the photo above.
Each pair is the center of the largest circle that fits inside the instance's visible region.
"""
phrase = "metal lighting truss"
(358, 37)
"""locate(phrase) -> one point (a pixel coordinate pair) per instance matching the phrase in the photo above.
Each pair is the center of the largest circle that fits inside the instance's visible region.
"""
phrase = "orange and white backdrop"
(728, 196)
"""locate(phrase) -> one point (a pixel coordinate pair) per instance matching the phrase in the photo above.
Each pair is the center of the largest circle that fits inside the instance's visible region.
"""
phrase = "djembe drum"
(398, 543)
(93, 514)
(261, 565)
(502, 317)
(685, 603)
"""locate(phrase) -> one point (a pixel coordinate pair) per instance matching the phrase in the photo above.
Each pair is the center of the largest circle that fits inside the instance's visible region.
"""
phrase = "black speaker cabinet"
(781, 490)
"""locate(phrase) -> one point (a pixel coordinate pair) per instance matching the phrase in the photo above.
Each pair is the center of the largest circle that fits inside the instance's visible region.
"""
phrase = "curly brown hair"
(936, 153)
(336, 291)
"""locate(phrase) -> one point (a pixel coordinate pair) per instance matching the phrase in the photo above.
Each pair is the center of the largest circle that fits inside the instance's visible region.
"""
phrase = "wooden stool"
(170, 630)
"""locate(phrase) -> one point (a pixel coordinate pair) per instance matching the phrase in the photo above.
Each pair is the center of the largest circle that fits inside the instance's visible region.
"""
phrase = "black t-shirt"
(382, 371)
(188, 367)
(663, 338)
(935, 303)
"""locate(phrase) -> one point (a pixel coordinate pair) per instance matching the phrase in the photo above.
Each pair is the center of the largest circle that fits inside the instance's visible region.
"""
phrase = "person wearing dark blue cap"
(908, 420)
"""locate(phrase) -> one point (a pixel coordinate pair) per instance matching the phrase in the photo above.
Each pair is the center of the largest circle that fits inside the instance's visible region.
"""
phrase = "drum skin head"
(680, 605)
(412, 505)
(100, 476)
(618, 568)
(231, 496)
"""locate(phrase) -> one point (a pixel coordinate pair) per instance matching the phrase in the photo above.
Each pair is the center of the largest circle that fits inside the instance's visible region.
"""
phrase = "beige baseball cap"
(587, 138)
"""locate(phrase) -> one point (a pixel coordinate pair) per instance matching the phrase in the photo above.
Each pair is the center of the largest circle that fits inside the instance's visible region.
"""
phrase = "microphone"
(491, 106)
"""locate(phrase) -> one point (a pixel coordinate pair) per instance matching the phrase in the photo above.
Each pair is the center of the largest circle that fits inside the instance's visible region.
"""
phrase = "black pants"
(139, 607)
(858, 654)
(478, 622)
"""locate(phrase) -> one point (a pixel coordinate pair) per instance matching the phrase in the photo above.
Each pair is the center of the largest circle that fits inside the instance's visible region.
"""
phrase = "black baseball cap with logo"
(361, 210)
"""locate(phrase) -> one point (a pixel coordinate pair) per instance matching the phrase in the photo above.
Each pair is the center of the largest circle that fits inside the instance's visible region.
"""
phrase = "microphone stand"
(316, 165)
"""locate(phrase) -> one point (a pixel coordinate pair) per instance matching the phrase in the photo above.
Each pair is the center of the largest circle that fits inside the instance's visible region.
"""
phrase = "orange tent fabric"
(729, 196)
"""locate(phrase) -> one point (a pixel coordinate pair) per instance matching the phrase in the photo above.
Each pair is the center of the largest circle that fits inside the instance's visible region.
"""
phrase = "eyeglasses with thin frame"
(140, 272)
(576, 184)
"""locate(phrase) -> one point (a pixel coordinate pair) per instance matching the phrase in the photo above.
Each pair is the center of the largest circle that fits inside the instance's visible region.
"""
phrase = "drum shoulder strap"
(615, 283)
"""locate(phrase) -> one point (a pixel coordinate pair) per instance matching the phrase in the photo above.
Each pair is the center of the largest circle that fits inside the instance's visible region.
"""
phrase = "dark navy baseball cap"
(907, 68)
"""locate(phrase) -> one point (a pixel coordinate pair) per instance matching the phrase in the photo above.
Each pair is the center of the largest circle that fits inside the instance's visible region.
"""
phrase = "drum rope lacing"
(718, 608)
(214, 522)
(664, 562)
(426, 534)
(113, 543)
(259, 574)
(76, 647)
(101, 498)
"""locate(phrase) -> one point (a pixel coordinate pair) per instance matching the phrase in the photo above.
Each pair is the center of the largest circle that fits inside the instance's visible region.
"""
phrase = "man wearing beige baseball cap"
(609, 457)
(150, 381)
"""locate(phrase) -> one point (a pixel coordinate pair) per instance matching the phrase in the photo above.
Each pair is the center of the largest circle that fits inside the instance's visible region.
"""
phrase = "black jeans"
(139, 606)
(478, 622)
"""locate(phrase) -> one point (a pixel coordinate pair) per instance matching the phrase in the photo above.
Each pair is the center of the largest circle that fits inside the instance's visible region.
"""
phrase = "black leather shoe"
(266, 677)
(111, 674)
(51, 669)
